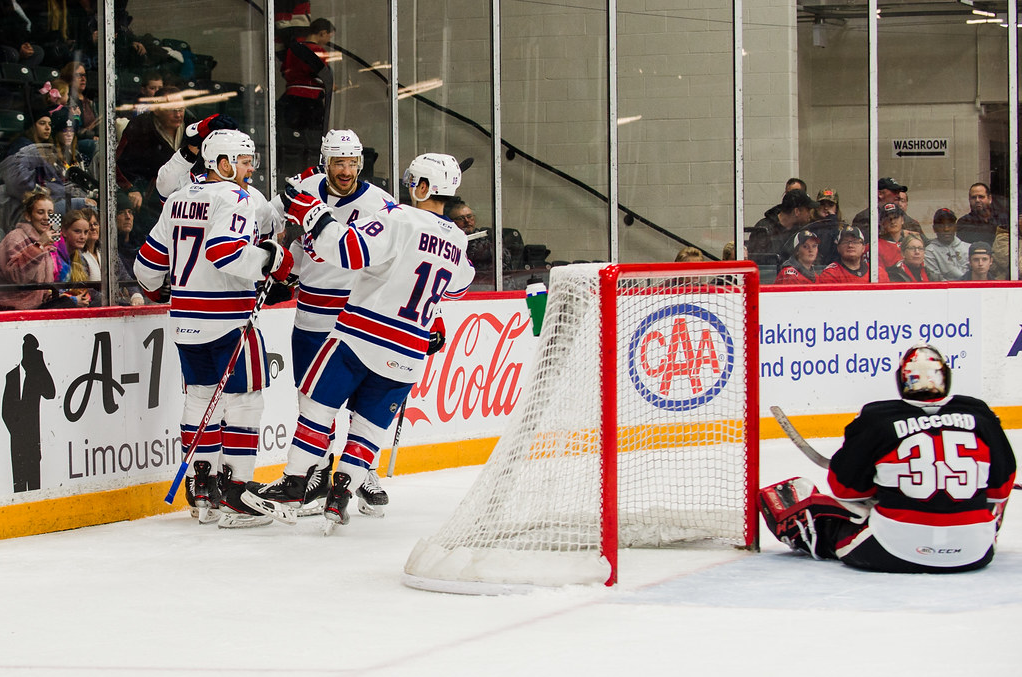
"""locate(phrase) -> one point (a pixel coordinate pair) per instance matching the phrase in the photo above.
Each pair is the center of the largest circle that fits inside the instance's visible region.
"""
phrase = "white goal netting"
(668, 376)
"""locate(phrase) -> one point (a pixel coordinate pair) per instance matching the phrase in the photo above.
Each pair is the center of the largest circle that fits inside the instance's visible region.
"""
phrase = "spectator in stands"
(69, 263)
(892, 230)
(1002, 245)
(798, 268)
(127, 291)
(887, 193)
(761, 236)
(796, 211)
(912, 267)
(149, 84)
(53, 23)
(38, 127)
(73, 73)
(305, 70)
(16, 44)
(947, 257)
(728, 253)
(147, 143)
(689, 254)
(851, 265)
(981, 257)
(911, 225)
(25, 259)
(827, 224)
(127, 246)
(480, 249)
(981, 223)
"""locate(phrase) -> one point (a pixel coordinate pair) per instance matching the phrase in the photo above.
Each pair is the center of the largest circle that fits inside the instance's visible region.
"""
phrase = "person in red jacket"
(851, 265)
(798, 269)
(307, 76)
(911, 268)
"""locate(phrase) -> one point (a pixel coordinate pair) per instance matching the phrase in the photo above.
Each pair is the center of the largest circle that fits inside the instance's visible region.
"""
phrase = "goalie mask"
(231, 144)
(441, 171)
(923, 374)
(340, 143)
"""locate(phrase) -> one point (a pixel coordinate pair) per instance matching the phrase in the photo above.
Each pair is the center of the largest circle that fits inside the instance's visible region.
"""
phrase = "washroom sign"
(923, 148)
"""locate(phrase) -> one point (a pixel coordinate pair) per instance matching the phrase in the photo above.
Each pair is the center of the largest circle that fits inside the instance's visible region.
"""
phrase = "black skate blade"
(278, 511)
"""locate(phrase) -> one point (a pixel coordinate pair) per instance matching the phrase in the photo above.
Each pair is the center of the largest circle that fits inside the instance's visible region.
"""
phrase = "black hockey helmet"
(923, 374)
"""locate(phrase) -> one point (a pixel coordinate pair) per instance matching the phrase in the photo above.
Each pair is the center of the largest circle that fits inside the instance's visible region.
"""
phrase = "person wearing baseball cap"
(851, 266)
(947, 257)
(798, 269)
(981, 256)
(887, 193)
(827, 223)
(795, 214)
(892, 228)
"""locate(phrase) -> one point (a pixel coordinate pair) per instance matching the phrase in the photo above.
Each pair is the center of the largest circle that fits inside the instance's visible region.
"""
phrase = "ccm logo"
(926, 550)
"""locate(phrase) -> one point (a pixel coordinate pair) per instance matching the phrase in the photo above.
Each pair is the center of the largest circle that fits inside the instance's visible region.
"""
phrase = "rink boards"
(101, 389)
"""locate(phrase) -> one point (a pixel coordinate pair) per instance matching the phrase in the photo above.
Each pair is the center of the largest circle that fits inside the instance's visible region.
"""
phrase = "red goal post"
(638, 427)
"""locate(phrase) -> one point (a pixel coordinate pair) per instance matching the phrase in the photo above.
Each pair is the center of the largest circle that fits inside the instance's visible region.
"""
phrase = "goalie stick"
(807, 449)
(218, 392)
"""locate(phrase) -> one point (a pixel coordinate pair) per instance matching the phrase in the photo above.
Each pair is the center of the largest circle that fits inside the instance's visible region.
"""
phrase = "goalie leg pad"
(801, 517)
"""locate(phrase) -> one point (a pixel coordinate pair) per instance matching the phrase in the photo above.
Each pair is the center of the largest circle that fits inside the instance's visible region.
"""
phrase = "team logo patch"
(680, 357)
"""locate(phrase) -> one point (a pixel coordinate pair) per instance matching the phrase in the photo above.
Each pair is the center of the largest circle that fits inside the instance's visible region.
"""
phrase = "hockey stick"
(219, 391)
(800, 442)
(807, 449)
(397, 438)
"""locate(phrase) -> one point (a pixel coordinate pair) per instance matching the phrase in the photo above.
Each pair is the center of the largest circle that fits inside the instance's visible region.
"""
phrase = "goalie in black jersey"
(920, 484)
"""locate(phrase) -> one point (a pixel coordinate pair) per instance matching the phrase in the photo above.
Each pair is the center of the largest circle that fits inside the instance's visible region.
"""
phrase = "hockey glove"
(197, 132)
(283, 291)
(437, 336)
(161, 295)
(280, 261)
(311, 171)
(305, 211)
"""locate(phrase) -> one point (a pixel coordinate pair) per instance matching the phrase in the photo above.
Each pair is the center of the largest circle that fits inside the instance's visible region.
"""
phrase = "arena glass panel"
(832, 80)
(445, 99)
(171, 70)
(675, 129)
(554, 112)
(943, 113)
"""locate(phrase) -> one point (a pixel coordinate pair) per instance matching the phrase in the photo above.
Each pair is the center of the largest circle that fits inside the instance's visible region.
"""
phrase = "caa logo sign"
(680, 357)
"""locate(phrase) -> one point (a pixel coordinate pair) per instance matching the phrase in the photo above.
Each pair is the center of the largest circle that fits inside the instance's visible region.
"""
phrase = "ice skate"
(336, 510)
(234, 514)
(202, 494)
(316, 490)
(278, 499)
(371, 496)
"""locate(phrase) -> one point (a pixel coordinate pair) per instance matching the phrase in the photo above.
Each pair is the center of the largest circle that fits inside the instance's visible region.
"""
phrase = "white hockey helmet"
(923, 374)
(340, 143)
(441, 171)
(230, 143)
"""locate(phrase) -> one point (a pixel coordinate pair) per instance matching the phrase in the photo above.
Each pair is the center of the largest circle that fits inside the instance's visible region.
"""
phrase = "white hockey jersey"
(206, 239)
(323, 288)
(409, 260)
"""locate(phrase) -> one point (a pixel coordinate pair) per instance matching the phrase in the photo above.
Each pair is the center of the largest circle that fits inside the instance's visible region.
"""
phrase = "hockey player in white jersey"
(207, 243)
(409, 259)
(323, 289)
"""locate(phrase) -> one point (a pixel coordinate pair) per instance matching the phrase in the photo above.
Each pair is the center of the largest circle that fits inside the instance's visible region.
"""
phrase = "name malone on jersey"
(431, 244)
(916, 424)
(196, 211)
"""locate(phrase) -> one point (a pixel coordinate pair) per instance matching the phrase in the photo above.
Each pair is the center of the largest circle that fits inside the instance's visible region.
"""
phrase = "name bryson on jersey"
(915, 424)
(195, 211)
(431, 244)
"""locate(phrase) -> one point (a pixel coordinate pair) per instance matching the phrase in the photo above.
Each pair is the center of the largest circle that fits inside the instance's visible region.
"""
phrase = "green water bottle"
(535, 298)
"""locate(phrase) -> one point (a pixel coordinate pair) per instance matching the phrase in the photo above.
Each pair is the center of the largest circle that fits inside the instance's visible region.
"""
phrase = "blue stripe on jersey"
(211, 315)
(358, 439)
(383, 343)
(220, 263)
(156, 244)
(150, 265)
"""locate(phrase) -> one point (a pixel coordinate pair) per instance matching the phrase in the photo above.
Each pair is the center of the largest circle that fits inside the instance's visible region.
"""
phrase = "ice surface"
(164, 596)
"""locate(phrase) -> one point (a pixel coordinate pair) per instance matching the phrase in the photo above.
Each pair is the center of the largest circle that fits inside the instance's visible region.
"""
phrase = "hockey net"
(638, 427)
